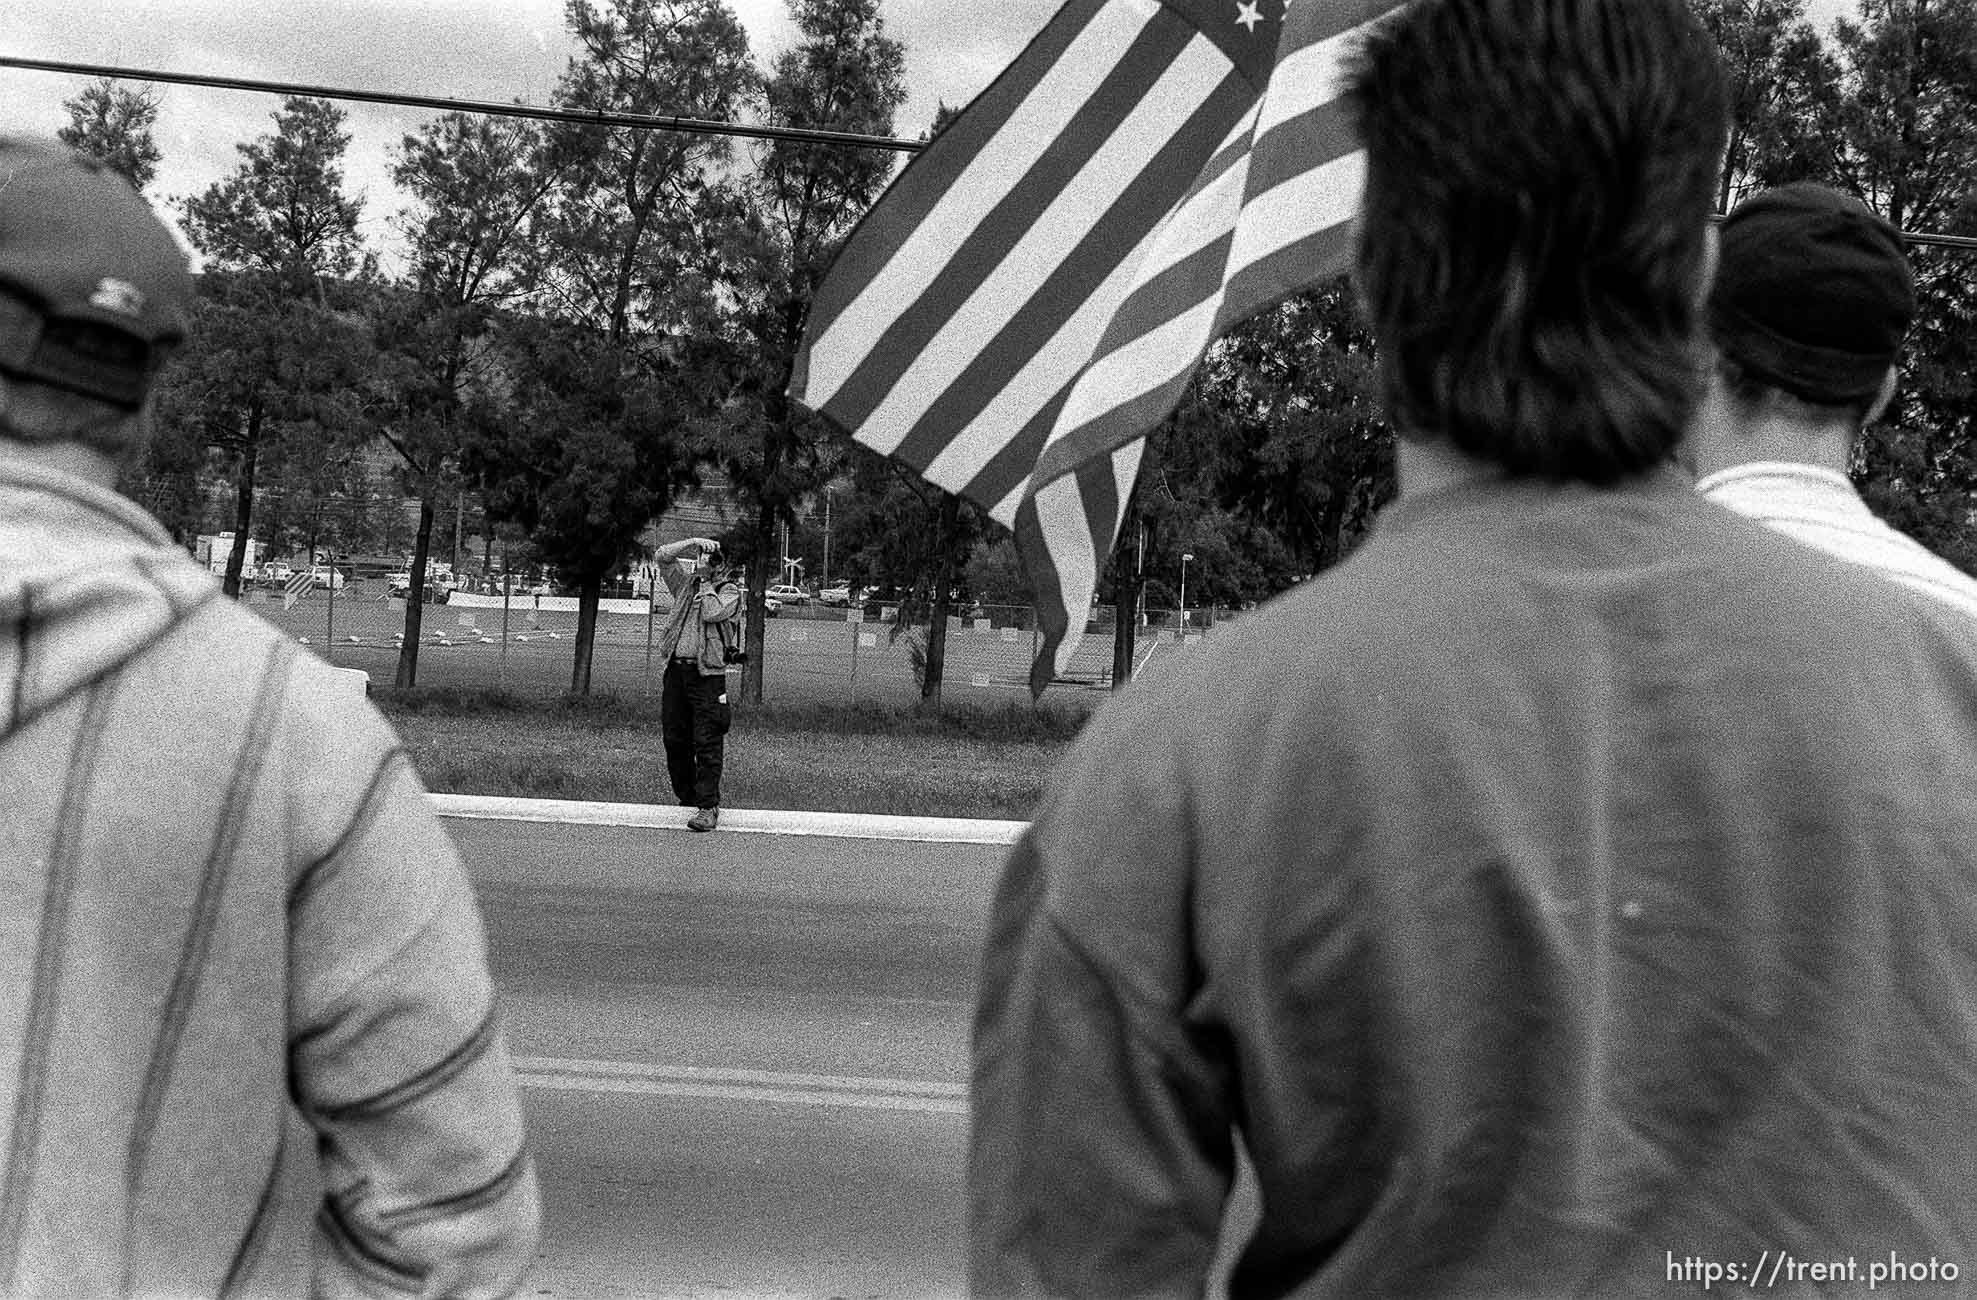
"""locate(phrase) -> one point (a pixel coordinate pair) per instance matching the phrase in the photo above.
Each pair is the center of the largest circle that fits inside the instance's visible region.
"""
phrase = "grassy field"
(970, 761)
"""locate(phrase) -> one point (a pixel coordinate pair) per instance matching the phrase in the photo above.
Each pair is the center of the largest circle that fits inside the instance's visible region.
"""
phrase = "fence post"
(329, 632)
(651, 616)
(505, 578)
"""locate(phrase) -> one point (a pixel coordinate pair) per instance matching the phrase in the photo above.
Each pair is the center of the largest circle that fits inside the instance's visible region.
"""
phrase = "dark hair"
(1532, 244)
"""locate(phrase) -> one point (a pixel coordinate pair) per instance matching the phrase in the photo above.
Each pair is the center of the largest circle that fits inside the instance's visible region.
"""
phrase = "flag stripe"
(1132, 183)
(1040, 285)
(1065, 524)
(1313, 69)
(887, 227)
(1121, 377)
(976, 414)
(1009, 467)
(1302, 184)
(1173, 294)
(1158, 338)
(1284, 272)
(1106, 76)
(1041, 343)
(1123, 425)
(1081, 523)
(1321, 199)
(1040, 565)
(1126, 415)
(1296, 148)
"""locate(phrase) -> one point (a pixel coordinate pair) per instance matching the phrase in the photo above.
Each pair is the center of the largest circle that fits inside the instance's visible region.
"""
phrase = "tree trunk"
(243, 502)
(415, 599)
(1730, 155)
(761, 564)
(1126, 580)
(777, 437)
(950, 520)
(587, 597)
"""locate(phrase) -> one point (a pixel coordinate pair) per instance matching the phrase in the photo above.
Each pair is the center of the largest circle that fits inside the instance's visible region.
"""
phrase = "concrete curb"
(858, 826)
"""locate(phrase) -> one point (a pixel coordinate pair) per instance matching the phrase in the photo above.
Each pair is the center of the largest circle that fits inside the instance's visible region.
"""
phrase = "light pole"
(1185, 557)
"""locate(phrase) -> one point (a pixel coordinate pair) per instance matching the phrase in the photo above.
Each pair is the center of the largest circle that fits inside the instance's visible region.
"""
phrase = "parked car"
(789, 595)
(276, 574)
(399, 585)
(771, 606)
(334, 579)
(839, 595)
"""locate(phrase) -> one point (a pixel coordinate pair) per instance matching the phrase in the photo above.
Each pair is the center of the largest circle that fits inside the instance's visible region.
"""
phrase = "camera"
(733, 655)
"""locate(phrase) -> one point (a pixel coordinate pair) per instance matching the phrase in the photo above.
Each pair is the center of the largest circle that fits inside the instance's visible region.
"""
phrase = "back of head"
(1533, 239)
(1812, 298)
(94, 292)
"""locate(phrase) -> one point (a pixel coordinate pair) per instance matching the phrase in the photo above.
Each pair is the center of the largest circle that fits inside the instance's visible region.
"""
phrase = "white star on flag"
(1248, 15)
(1030, 297)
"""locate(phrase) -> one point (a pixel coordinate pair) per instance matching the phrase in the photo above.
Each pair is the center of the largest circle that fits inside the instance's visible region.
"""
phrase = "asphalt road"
(744, 1056)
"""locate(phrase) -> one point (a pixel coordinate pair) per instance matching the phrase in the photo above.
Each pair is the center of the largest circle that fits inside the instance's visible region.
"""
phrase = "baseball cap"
(94, 290)
(1813, 293)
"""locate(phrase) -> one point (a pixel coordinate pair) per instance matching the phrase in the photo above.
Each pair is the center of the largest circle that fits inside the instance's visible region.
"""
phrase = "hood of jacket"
(87, 581)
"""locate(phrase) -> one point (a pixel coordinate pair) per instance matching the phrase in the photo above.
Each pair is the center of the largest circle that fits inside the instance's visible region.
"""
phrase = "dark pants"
(693, 719)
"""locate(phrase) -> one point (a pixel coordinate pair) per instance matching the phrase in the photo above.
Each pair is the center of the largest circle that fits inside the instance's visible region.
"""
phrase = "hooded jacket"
(248, 1042)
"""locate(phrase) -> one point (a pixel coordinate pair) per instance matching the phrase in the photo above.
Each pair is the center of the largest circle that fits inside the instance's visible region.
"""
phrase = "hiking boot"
(704, 819)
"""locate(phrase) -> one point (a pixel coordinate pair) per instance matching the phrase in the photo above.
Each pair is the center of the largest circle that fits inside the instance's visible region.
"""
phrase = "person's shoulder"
(315, 699)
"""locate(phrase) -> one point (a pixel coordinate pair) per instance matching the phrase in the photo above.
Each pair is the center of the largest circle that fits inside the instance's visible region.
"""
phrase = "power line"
(1937, 241)
(640, 121)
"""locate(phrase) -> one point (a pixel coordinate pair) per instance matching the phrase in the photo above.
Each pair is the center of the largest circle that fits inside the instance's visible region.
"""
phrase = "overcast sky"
(495, 50)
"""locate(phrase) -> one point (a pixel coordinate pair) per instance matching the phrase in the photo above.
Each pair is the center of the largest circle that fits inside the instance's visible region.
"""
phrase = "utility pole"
(1185, 557)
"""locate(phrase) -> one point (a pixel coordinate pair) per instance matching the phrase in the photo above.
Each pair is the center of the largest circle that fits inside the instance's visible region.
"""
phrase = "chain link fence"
(524, 642)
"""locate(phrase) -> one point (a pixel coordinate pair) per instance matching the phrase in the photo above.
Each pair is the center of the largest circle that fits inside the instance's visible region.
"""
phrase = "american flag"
(297, 584)
(1029, 298)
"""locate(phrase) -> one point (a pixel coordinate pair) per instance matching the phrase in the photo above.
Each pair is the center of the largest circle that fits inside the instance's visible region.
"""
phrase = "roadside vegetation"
(965, 761)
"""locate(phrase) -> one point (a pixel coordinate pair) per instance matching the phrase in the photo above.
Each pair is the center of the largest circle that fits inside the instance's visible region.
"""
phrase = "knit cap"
(1813, 293)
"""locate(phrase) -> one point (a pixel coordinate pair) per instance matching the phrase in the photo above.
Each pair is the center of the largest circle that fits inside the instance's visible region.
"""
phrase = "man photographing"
(693, 707)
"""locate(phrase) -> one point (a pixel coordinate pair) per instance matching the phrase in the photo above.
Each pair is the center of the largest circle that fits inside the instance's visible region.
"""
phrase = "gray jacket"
(699, 607)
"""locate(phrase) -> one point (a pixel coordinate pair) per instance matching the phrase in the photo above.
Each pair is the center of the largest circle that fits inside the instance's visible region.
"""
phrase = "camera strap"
(729, 630)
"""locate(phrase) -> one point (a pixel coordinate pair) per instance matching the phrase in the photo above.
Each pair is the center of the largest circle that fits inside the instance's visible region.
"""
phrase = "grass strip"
(971, 761)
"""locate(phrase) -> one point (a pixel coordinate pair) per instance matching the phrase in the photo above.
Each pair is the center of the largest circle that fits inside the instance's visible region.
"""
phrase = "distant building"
(213, 549)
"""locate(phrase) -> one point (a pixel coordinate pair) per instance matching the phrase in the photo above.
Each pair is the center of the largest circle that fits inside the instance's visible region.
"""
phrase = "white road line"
(936, 830)
(923, 1095)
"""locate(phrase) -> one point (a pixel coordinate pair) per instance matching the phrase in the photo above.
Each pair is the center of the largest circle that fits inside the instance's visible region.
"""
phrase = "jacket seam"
(422, 1083)
(17, 705)
(200, 927)
(255, 1240)
(44, 1000)
(459, 1204)
(305, 883)
(394, 1273)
